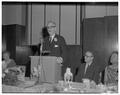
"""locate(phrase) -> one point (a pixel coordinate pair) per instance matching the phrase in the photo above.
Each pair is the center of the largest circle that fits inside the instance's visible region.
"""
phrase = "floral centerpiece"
(10, 76)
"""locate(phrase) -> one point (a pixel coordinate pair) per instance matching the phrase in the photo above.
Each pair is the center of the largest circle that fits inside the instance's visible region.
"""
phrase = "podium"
(51, 70)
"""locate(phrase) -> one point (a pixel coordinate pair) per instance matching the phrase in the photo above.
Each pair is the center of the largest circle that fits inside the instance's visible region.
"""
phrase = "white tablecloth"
(29, 86)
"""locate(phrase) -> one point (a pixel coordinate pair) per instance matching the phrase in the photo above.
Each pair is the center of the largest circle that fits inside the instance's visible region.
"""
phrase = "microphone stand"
(40, 68)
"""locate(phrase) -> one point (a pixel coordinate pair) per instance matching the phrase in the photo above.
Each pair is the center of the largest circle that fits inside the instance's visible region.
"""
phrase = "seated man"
(88, 70)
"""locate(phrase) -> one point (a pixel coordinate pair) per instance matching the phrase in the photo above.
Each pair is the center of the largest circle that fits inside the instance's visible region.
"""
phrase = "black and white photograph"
(51, 47)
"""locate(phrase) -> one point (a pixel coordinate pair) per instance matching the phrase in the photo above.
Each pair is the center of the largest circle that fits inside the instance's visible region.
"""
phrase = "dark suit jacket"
(92, 73)
(57, 47)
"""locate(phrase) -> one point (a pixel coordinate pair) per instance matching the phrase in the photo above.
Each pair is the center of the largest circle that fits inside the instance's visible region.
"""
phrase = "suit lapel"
(53, 41)
(89, 68)
(83, 69)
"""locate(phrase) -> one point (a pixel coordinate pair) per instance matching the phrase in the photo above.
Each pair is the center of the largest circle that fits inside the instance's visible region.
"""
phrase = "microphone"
(41, 47)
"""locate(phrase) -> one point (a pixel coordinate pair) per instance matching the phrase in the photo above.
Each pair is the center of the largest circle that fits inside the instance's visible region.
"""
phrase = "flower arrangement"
(12, 76)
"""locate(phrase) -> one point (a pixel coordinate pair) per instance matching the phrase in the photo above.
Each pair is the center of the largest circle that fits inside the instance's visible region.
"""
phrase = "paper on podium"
(45, 53)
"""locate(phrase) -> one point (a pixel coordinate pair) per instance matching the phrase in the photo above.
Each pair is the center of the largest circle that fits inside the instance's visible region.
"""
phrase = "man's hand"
(59, 60)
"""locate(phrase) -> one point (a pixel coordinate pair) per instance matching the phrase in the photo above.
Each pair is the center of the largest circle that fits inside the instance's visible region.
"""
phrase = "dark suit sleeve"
(96, 75)
(79, 76)
(63, 48)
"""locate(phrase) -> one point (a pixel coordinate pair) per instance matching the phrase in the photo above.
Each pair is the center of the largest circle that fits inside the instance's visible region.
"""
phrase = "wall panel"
(13, 14)
(38, 14)
(68, 23)
(112, 10)
(29, 25)
(37, 22)
(78, 24)
(93, 11)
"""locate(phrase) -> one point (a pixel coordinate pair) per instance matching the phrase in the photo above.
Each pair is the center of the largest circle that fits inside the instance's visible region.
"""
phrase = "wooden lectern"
(51, 70)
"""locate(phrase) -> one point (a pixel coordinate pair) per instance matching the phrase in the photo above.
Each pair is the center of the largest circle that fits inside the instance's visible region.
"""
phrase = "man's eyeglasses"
(51, 26)
(88, 56)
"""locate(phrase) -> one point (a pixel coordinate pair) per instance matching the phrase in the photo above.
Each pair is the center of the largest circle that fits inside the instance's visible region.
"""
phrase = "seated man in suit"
(54, 44)
(88, 70)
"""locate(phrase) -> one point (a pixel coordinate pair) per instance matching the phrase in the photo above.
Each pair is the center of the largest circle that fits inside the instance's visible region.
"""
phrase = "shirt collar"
(89, 63)
(53, 36)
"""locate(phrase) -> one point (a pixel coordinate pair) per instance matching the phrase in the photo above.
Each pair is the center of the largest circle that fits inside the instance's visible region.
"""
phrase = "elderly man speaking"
(54, 43)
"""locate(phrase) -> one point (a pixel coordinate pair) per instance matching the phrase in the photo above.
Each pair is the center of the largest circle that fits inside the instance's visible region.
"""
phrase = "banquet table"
(29, 86)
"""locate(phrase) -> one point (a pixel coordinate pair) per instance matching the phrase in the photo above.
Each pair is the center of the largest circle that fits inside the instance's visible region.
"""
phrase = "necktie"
(86, 67)
(50, 39)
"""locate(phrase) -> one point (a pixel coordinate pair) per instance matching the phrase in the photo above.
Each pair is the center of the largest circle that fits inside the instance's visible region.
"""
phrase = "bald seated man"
(54, 43)
(88, 69)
